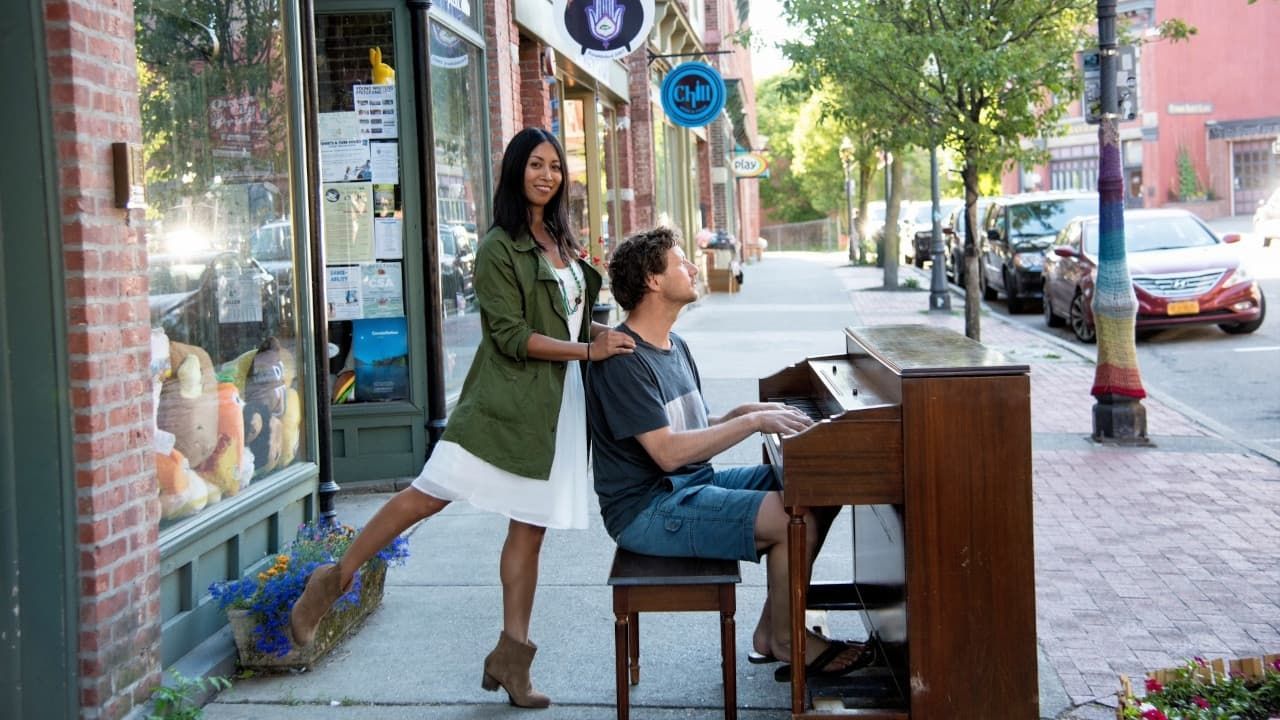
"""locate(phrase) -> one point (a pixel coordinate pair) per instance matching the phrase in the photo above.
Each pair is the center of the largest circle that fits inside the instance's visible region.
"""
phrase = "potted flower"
(1200, 690)
(258, 605)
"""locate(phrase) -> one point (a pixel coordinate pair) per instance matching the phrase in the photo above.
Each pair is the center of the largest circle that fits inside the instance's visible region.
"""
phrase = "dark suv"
(1018, 230)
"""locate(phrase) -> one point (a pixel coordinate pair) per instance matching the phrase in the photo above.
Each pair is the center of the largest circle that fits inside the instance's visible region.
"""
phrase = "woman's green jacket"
(510, 402)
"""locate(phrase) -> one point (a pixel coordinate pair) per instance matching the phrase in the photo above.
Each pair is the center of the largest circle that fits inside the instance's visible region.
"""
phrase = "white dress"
(560, 501)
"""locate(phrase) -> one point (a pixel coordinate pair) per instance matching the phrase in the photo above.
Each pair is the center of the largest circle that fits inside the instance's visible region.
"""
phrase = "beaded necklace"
(569, 310)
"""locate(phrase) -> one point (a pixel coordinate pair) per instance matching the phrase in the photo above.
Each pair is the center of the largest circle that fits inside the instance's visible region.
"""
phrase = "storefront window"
(611, 224)
(462, 211)
(575, 150)
(361, 207)
(222, 268)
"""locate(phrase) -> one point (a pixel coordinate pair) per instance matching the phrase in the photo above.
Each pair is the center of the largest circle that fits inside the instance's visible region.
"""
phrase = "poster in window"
(388, 244)
(382, 289)
(381, 350)
(376, 111)
(239, 295)
(347, 213)
(385, 162)
(342, 292)
(345, 161)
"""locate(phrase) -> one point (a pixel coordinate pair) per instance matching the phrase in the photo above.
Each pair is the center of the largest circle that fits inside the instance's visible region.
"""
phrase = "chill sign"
(693, 94)
(749, 165)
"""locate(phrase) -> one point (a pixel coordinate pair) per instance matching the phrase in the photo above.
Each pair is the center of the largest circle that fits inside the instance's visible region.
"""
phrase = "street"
(1228, 379)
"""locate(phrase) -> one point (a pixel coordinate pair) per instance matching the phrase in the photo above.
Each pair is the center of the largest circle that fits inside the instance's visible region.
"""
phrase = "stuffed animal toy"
(188, 405)
(222, 468)
(270, 375)
(382, 72)
(263, 436)
(182, 492)
(290, 427)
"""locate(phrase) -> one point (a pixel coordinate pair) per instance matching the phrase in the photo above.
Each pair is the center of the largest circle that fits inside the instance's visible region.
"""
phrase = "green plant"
(179, 701)
(1189, 187)
(912, 283)
(1197, 691)
(270, 594)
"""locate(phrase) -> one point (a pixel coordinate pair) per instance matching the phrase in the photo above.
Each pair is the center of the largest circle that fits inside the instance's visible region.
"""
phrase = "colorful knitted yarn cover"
(1115, 309)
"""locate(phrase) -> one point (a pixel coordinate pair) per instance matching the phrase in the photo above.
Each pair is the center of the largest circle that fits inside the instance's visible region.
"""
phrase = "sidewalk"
(1144, 556)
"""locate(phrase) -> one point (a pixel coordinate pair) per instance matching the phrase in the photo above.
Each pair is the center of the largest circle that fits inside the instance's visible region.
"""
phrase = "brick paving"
(1145, 557)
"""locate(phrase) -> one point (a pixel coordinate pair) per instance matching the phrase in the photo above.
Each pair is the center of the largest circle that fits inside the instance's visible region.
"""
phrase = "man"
(653, 440)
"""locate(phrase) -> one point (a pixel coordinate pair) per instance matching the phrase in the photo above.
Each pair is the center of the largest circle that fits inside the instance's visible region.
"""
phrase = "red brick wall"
(94, 92)
(501, 39)
(535, 91)
(640, 144)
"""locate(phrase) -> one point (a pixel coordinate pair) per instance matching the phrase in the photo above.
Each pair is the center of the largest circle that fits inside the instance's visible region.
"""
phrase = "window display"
(221, 253)
(458, 111)
(361, 207)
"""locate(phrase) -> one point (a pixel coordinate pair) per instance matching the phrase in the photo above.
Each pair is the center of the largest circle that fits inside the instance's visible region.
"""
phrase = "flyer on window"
(345, 161)
(387, 239)
(337, 126)
(239, 296)
(347, 213)
(385, 161)
(382, 289)
(376, 111)
(342, 292)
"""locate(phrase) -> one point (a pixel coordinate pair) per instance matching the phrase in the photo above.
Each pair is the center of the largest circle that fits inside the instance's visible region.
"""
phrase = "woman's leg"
(508, 665)
(395, 516)
(329, 581)
(519, 573)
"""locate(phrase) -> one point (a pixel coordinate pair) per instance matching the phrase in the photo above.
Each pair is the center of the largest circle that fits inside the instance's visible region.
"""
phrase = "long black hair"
(511, 207)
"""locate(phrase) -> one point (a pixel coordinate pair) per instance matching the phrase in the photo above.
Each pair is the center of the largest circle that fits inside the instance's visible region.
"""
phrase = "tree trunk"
(972, 289)
(891, 213)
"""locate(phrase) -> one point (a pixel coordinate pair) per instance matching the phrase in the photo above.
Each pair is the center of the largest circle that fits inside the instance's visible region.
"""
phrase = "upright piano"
(927, 435)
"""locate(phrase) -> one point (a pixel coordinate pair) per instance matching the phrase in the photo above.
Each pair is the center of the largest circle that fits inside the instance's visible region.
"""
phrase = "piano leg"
(798, 575)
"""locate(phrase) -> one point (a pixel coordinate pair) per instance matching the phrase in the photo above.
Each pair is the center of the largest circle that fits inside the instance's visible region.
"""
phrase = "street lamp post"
(939, 296)
(855, 238)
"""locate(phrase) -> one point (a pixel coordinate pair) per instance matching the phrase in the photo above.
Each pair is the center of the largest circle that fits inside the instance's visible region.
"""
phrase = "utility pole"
(1118, 414)
(846, 161)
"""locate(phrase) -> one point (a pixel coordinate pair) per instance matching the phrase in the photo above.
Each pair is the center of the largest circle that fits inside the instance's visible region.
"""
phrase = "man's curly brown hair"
(638, 257)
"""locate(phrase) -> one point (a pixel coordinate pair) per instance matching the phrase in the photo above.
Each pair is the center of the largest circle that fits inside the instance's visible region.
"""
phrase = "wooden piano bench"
(645, 583)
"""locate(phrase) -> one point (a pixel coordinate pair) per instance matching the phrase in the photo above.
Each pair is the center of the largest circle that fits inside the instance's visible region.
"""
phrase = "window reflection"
(221, 264)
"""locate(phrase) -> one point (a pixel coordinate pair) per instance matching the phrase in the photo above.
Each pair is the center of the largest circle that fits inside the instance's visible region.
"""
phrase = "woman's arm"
(605, 343)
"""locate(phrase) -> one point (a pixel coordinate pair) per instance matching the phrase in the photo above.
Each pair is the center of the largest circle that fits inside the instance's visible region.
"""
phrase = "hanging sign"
(605, 29)
(693, 94)
(750, 165)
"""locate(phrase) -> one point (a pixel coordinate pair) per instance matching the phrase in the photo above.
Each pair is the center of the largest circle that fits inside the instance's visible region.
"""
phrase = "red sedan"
(1182, 274)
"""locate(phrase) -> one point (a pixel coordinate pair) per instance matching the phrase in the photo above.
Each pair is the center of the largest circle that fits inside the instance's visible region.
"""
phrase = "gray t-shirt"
(628, 395)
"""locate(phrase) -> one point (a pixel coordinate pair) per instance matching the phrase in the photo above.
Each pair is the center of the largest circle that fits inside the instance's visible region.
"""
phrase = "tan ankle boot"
(508, 666)
(322, 591)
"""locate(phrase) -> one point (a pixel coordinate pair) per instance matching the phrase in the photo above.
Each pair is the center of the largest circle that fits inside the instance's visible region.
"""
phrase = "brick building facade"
(133, 578)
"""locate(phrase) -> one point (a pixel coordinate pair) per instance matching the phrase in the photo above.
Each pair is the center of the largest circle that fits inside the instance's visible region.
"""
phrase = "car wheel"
(1247, 327)
(1050, 318)
(1016, 304)
(987, 292)
(1078, 318)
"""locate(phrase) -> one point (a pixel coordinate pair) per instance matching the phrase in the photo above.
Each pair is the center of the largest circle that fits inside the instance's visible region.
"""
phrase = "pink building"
(1212, 96)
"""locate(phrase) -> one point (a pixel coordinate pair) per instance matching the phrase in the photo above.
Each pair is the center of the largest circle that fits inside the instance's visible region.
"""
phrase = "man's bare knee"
(771, 522)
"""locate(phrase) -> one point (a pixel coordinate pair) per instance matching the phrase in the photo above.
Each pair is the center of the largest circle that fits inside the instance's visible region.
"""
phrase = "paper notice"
(347, 214)
(345, 161)
(337, 126)
(387, 239)
(342, 291)
(376, 111)
(239, 295)
(385, 161)
(382, 289)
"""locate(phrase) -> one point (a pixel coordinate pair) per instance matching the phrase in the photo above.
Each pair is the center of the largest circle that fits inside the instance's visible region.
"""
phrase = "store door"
(372, 229)
(1255, 172)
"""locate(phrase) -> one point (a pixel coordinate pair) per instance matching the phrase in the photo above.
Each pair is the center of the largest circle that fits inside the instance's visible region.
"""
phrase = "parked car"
(1182, 274)
(953, 238)
(922, 229)
(1266, 221)
(457, 266)
(1018, 230)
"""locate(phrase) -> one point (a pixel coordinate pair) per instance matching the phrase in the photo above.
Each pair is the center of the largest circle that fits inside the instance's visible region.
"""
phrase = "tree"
(776, 118)
(996, 69)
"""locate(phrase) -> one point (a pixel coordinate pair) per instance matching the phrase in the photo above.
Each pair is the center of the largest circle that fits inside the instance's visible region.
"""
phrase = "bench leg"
(634, 643)
(621, 634)
(728, 652)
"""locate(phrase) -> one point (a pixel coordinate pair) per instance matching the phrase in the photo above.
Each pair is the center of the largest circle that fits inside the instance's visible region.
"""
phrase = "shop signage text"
(604, 29)
(693, 94)
(750, 165)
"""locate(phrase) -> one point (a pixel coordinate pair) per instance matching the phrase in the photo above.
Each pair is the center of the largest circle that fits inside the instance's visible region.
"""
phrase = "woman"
(516, 443)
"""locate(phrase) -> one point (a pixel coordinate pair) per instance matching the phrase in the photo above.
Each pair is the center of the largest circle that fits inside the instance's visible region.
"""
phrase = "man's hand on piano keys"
(781, 419)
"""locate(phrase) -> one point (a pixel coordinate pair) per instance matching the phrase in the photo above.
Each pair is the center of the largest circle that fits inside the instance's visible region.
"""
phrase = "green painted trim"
(37, 482)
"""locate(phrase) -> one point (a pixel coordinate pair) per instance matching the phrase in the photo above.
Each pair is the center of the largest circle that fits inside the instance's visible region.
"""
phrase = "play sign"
(749, 165)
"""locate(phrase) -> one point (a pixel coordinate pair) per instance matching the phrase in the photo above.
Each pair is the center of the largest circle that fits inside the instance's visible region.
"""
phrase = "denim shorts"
(706, 514)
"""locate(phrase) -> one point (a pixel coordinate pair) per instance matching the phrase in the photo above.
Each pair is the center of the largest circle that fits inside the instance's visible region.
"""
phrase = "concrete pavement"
(1144, 556)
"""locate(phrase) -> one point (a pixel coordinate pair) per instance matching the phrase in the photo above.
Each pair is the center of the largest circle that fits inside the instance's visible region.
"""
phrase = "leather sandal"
(835, 648)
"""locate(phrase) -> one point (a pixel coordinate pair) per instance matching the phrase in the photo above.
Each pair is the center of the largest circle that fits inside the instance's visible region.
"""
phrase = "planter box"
(336, 625)
(1252, 669)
